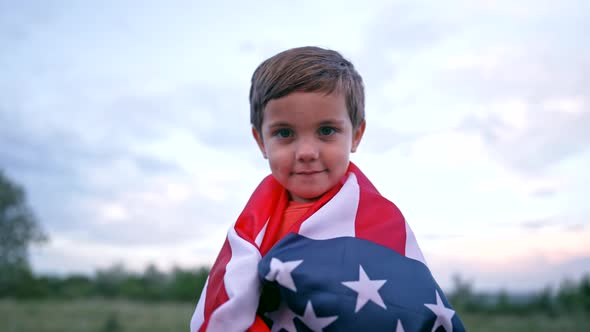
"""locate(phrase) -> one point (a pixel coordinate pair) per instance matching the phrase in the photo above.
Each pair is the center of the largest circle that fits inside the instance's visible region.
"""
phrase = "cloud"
(562, 223)
(396, 33)
(379, 138)
(107, 168)
(532, 261)
(544, 192)
(539, 224)
(17, 19)
(117, 157)
(530, 137)
(67, 255)
(530, 274)
(527, 80)
(520, 85)
(216, 115)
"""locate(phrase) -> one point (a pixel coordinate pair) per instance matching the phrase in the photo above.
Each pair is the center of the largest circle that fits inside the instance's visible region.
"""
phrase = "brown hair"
(306, 69)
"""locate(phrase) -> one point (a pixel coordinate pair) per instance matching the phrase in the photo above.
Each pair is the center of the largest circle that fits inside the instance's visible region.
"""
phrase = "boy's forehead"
(306, 107)
(305, 100)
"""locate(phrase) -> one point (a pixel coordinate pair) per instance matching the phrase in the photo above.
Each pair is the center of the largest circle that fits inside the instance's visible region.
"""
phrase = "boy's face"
(307, 139)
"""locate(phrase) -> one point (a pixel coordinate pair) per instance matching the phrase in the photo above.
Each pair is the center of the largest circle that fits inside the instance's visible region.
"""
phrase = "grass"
(98, 315)
(93, 315)
(526, 323)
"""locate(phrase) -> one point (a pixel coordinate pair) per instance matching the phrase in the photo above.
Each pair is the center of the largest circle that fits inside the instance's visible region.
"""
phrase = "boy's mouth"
(309, 172)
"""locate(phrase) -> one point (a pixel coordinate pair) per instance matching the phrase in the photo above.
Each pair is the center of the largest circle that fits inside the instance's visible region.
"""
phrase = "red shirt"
(291, 215)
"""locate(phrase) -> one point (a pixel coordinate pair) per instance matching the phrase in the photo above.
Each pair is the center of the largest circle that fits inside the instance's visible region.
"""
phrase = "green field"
(93, 316)
(125, 316)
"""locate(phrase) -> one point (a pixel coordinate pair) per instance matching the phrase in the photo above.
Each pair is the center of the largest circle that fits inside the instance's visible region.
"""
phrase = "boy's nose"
(306, 150)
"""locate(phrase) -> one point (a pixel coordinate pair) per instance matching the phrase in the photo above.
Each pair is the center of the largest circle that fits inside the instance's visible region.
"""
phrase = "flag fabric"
(351, 263)
(350, 284)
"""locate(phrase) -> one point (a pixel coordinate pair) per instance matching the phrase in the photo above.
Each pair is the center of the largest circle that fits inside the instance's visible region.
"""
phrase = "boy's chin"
(306, 197)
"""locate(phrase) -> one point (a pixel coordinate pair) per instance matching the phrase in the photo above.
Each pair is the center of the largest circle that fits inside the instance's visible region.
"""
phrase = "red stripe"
(258, 326)
(268, 200)
(216, 293)
(272, 229)
(378, 219)
(249, 224)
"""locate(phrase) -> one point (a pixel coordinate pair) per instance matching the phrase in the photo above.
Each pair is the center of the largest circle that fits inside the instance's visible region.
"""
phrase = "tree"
(186, 285)
(462, 295)
(19, 229)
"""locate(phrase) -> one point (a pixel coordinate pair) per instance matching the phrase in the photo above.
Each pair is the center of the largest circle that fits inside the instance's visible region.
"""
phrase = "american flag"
(350, 264)
(350, 284)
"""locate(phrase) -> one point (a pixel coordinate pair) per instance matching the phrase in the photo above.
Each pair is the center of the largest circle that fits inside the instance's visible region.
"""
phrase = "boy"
(317, 247)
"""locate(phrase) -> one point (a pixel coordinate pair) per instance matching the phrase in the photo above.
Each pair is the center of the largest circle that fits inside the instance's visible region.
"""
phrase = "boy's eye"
(283, 133)
(326, 131)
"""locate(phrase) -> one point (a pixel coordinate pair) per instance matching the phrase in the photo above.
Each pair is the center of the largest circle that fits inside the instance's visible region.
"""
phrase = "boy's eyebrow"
(332, 122)
(329, 122)
(279, 124)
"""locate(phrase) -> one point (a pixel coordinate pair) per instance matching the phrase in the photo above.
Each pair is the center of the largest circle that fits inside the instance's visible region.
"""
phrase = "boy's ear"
(259, 141)
(357, 135)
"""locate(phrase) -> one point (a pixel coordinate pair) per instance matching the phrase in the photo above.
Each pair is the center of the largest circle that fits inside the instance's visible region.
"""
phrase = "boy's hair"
(306, 69)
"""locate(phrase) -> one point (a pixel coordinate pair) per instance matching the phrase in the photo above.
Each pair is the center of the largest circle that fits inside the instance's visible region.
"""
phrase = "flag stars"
(282, 318)
(443, 314)
(367, 290)
(399, 327)
(281, 272)
(312, 321)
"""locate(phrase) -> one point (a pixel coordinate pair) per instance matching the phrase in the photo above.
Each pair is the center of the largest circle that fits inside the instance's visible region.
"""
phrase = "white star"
(399, 327)
(314, 322)
(443, 314)
(281, 272)
(282, 318)
(367, 289)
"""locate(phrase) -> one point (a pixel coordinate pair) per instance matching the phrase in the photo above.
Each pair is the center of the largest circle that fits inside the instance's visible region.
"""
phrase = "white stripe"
(412, 249)
(260, 235)
(242, 286)
(199, 314)
(337, 217)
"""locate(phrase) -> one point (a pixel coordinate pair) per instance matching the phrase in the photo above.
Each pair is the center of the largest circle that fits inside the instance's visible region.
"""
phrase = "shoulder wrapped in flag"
(350, 264)
(349, 284)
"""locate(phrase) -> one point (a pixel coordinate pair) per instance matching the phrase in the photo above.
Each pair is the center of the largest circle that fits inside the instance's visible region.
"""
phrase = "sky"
(127, 123)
